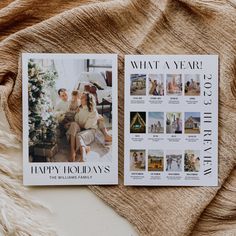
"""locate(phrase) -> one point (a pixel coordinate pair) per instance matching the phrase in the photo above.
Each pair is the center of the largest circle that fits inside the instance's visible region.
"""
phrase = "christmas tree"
(42, 123)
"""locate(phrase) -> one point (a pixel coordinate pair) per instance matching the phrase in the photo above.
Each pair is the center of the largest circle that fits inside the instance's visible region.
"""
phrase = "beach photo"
(192, 122)
(174, 84)
(156, 122)
(138, 84)
(156, 84)
(192, 160)
(137, 160)
(70, 109)
(192, 85)
(155, 160)
(174, 123)
(173, 160)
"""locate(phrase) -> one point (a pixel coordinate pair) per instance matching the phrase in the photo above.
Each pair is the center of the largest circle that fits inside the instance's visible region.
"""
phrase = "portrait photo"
(138, 84)
(69, 109)
(156, 84)
(192, 85)
(137, 160)
(174, 84)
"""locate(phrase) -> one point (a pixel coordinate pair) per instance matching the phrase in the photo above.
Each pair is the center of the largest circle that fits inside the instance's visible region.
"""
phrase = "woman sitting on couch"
(82, 131)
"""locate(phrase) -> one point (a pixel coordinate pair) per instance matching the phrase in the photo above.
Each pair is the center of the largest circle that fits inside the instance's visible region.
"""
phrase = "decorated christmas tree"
(42, 123)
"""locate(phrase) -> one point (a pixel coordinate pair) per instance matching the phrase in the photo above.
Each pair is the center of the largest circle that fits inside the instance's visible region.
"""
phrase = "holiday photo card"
(70, 119)
(171, 120)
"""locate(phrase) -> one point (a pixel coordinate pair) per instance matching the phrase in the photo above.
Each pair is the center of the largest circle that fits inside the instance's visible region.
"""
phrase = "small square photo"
(192, 85)
(138, 122)
(174, 123)
(156, 84)
(174, 84)
(137, 85)
(173, 160)
(192, 123)
(137, 160)
(192, 161)
(155, 160)
(156, 122)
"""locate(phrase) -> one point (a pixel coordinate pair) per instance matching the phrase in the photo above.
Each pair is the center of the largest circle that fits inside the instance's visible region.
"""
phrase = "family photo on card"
(70, 108)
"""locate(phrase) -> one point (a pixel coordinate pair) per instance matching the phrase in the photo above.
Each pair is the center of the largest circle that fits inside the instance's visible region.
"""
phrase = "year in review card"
(171, 120)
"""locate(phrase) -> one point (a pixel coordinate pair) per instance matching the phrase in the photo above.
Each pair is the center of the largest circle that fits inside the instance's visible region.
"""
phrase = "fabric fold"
(134, 27)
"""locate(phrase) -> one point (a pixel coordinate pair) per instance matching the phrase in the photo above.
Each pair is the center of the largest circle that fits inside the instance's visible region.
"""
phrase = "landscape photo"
(155, 160)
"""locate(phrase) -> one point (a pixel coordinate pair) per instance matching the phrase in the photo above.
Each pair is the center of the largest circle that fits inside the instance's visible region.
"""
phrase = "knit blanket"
(122, 27)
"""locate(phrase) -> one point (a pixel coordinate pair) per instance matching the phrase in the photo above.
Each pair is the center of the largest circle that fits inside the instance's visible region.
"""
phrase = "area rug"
(123, 27)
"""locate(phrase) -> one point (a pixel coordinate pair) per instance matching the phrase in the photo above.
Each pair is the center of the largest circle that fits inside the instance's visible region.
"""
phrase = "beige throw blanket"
(124, 27)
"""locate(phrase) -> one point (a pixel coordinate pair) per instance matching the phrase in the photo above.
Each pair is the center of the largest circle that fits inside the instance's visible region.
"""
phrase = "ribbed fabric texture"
(134, 27)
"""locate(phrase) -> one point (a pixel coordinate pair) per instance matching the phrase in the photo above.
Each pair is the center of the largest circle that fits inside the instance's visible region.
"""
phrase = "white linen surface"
(104, 93)
(96, 77)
